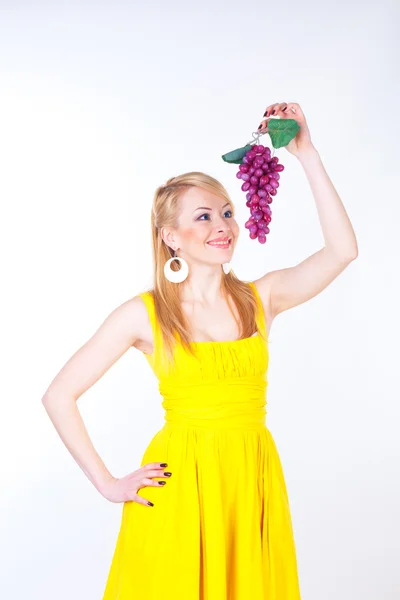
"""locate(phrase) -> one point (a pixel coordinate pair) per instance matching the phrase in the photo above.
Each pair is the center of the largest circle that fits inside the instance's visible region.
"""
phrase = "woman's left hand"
(302, 141)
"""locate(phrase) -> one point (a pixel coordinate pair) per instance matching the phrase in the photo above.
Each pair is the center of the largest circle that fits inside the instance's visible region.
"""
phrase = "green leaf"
(281, 131)
(236, 156)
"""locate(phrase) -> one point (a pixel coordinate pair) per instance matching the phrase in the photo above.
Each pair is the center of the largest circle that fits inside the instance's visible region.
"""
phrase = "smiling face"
(203, 217)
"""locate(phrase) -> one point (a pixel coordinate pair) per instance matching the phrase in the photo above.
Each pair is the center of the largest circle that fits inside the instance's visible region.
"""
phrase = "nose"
(222, 226)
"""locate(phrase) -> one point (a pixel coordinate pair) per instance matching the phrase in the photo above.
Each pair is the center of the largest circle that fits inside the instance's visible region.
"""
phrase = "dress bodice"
(226, 381)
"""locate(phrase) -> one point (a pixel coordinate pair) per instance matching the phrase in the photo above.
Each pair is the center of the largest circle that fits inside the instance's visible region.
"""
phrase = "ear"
(168, 237)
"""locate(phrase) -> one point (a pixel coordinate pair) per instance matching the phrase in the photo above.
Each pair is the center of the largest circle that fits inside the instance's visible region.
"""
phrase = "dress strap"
(261, 315)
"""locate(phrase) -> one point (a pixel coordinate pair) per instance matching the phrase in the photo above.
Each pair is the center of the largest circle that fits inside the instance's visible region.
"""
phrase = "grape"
(262, 224)
(260, 175)
(253, 228)
(261, 237)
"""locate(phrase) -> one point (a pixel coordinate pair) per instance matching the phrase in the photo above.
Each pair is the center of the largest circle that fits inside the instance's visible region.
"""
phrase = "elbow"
(60, 397)
(353, 255)
(344, 255)
(350, 256)
(46, 400)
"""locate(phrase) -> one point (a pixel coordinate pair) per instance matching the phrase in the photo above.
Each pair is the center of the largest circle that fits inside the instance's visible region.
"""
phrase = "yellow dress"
(220, 528)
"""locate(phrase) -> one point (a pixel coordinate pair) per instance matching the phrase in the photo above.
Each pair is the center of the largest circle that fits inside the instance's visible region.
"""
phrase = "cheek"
(235, 228)
(192, 234)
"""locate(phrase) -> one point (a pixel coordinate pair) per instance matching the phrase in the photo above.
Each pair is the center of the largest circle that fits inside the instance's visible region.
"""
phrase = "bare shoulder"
(127, 320)
(135, 318)
(121, 329)
(264, 286)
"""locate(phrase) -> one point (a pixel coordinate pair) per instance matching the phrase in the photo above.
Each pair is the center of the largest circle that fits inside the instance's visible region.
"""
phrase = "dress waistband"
(239, 402)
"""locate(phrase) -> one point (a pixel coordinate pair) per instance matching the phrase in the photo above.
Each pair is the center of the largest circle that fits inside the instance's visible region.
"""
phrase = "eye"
(208, 214)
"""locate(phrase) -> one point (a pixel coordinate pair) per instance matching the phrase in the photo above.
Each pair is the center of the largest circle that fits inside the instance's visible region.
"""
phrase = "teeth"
(219, 243)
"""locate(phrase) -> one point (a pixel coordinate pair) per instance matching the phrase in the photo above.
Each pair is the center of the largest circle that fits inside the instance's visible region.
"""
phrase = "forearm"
(336, 226)
(67, 420)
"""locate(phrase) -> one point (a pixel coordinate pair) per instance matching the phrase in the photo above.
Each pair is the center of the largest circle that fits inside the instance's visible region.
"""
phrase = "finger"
(140, 500)
(283, 112)
(153, 482)
(155, 465)
(271, 110)
(268, 111)
(157, 473)
(279, 109)
(294, 108)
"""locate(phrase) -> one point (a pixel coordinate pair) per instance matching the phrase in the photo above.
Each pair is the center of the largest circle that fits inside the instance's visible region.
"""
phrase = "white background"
(99, 104)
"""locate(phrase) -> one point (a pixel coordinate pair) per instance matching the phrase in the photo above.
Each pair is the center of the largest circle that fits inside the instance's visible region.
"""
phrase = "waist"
(228, 403)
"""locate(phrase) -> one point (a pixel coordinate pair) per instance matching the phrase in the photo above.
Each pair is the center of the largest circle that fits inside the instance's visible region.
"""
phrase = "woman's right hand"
(124, 489)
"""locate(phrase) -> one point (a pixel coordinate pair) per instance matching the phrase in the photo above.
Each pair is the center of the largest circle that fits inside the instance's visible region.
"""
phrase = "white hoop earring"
(176, 276)
(226, 267)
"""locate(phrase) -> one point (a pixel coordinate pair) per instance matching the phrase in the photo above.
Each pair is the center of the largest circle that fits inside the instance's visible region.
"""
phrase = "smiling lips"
(224, 243)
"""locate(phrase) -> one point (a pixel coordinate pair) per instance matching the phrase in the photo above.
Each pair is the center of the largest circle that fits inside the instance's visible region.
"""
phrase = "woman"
(220, 528)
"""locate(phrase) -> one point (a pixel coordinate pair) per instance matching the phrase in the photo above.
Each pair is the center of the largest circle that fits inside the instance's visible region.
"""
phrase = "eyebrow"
(207, 208)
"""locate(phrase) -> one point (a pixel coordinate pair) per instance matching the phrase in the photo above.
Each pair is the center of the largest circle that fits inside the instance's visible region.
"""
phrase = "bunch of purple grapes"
(260, 174)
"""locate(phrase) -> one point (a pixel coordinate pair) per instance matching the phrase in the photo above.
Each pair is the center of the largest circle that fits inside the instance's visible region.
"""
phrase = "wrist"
(103, 484)
(307, 153)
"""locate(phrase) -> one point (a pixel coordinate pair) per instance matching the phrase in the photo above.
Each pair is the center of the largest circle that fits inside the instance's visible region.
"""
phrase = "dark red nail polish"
(163, 465)
(150, 504)
(265, 114)
(283, 109)
(273, 112)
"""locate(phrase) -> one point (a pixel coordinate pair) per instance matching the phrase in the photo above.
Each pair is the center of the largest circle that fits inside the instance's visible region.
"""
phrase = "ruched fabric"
(220, 529)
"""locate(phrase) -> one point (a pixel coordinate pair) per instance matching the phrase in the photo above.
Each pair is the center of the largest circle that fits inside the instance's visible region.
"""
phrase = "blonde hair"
(166, 294)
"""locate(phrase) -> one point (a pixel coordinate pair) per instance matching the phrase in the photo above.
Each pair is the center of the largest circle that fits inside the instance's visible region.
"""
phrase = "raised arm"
(285, 288)
(112, 339)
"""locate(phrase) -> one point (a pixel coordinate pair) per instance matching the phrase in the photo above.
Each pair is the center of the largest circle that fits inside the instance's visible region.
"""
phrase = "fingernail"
(283, 109)
(163, 465)
(273, 112)
(259, 127)
(162, 482)
(167, 473)
(265, 114)
(150, 504)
